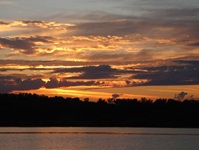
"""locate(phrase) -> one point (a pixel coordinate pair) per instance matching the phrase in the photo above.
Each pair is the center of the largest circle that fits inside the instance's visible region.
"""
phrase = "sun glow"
(84, 92)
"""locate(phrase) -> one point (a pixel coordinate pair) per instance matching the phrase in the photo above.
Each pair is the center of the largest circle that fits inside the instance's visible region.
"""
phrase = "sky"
(91, 48)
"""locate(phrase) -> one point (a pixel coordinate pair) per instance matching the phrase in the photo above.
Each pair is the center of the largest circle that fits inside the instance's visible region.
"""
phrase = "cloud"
(34, 63)
(171, 22)
(125, 43)
(24, 45)
(98, 72)
(108, 55)
(89, 38)
(176, 72)
(3, 23)
(38, 24)
(3, 69)
(186, 74)
(29, 84)
(181, 95)
(91, 16)
(118, 28)
(175, 14)
(51, 63)
(19, 44)
(9, 84)
(194, 44)
(91, 72)
(25, 28)
(111, 24)
(115, 96)
(54, 83)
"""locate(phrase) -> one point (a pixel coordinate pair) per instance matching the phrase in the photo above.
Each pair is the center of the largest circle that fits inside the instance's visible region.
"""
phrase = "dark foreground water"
(70, 138)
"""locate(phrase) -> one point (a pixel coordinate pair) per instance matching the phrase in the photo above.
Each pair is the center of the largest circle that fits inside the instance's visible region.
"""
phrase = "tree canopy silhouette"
(26, 109)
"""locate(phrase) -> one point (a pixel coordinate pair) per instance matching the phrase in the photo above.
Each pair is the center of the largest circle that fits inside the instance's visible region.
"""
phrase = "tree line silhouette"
(26, 109)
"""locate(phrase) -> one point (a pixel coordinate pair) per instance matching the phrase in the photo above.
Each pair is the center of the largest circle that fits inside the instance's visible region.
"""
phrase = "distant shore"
(31, 110)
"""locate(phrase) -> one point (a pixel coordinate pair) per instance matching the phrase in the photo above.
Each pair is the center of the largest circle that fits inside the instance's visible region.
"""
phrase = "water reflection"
(103, 133)
(99, 138)
(102, 130)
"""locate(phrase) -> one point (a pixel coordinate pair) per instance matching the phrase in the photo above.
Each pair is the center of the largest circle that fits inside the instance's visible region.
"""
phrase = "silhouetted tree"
(27, 109)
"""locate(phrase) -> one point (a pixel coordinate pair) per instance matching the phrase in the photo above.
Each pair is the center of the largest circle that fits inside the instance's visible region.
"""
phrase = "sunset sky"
(95, 48)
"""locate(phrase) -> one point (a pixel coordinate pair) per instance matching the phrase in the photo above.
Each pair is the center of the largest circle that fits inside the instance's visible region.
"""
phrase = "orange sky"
(132, 48)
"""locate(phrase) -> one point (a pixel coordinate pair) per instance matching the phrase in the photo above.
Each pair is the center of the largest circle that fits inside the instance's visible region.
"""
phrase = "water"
(70, 138)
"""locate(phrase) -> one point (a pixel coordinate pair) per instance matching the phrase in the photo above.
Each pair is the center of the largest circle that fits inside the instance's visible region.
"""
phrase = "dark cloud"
(97, 72)
(25, 45)
(102, 71)
(185, 73)
(9, 84)
(19, 44)
(181, 95)
(3, 69)
(194, 44)
(5, 84)
(33, 22)
(128, 82)
(54, 83)
(171, 75)
(29, 84)
(189, 63)
(45, 39)
(115, 96)
(91, 72)
(3, 23)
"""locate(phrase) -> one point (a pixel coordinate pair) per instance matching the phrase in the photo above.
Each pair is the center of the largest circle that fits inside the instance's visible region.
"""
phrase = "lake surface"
(90, 138)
